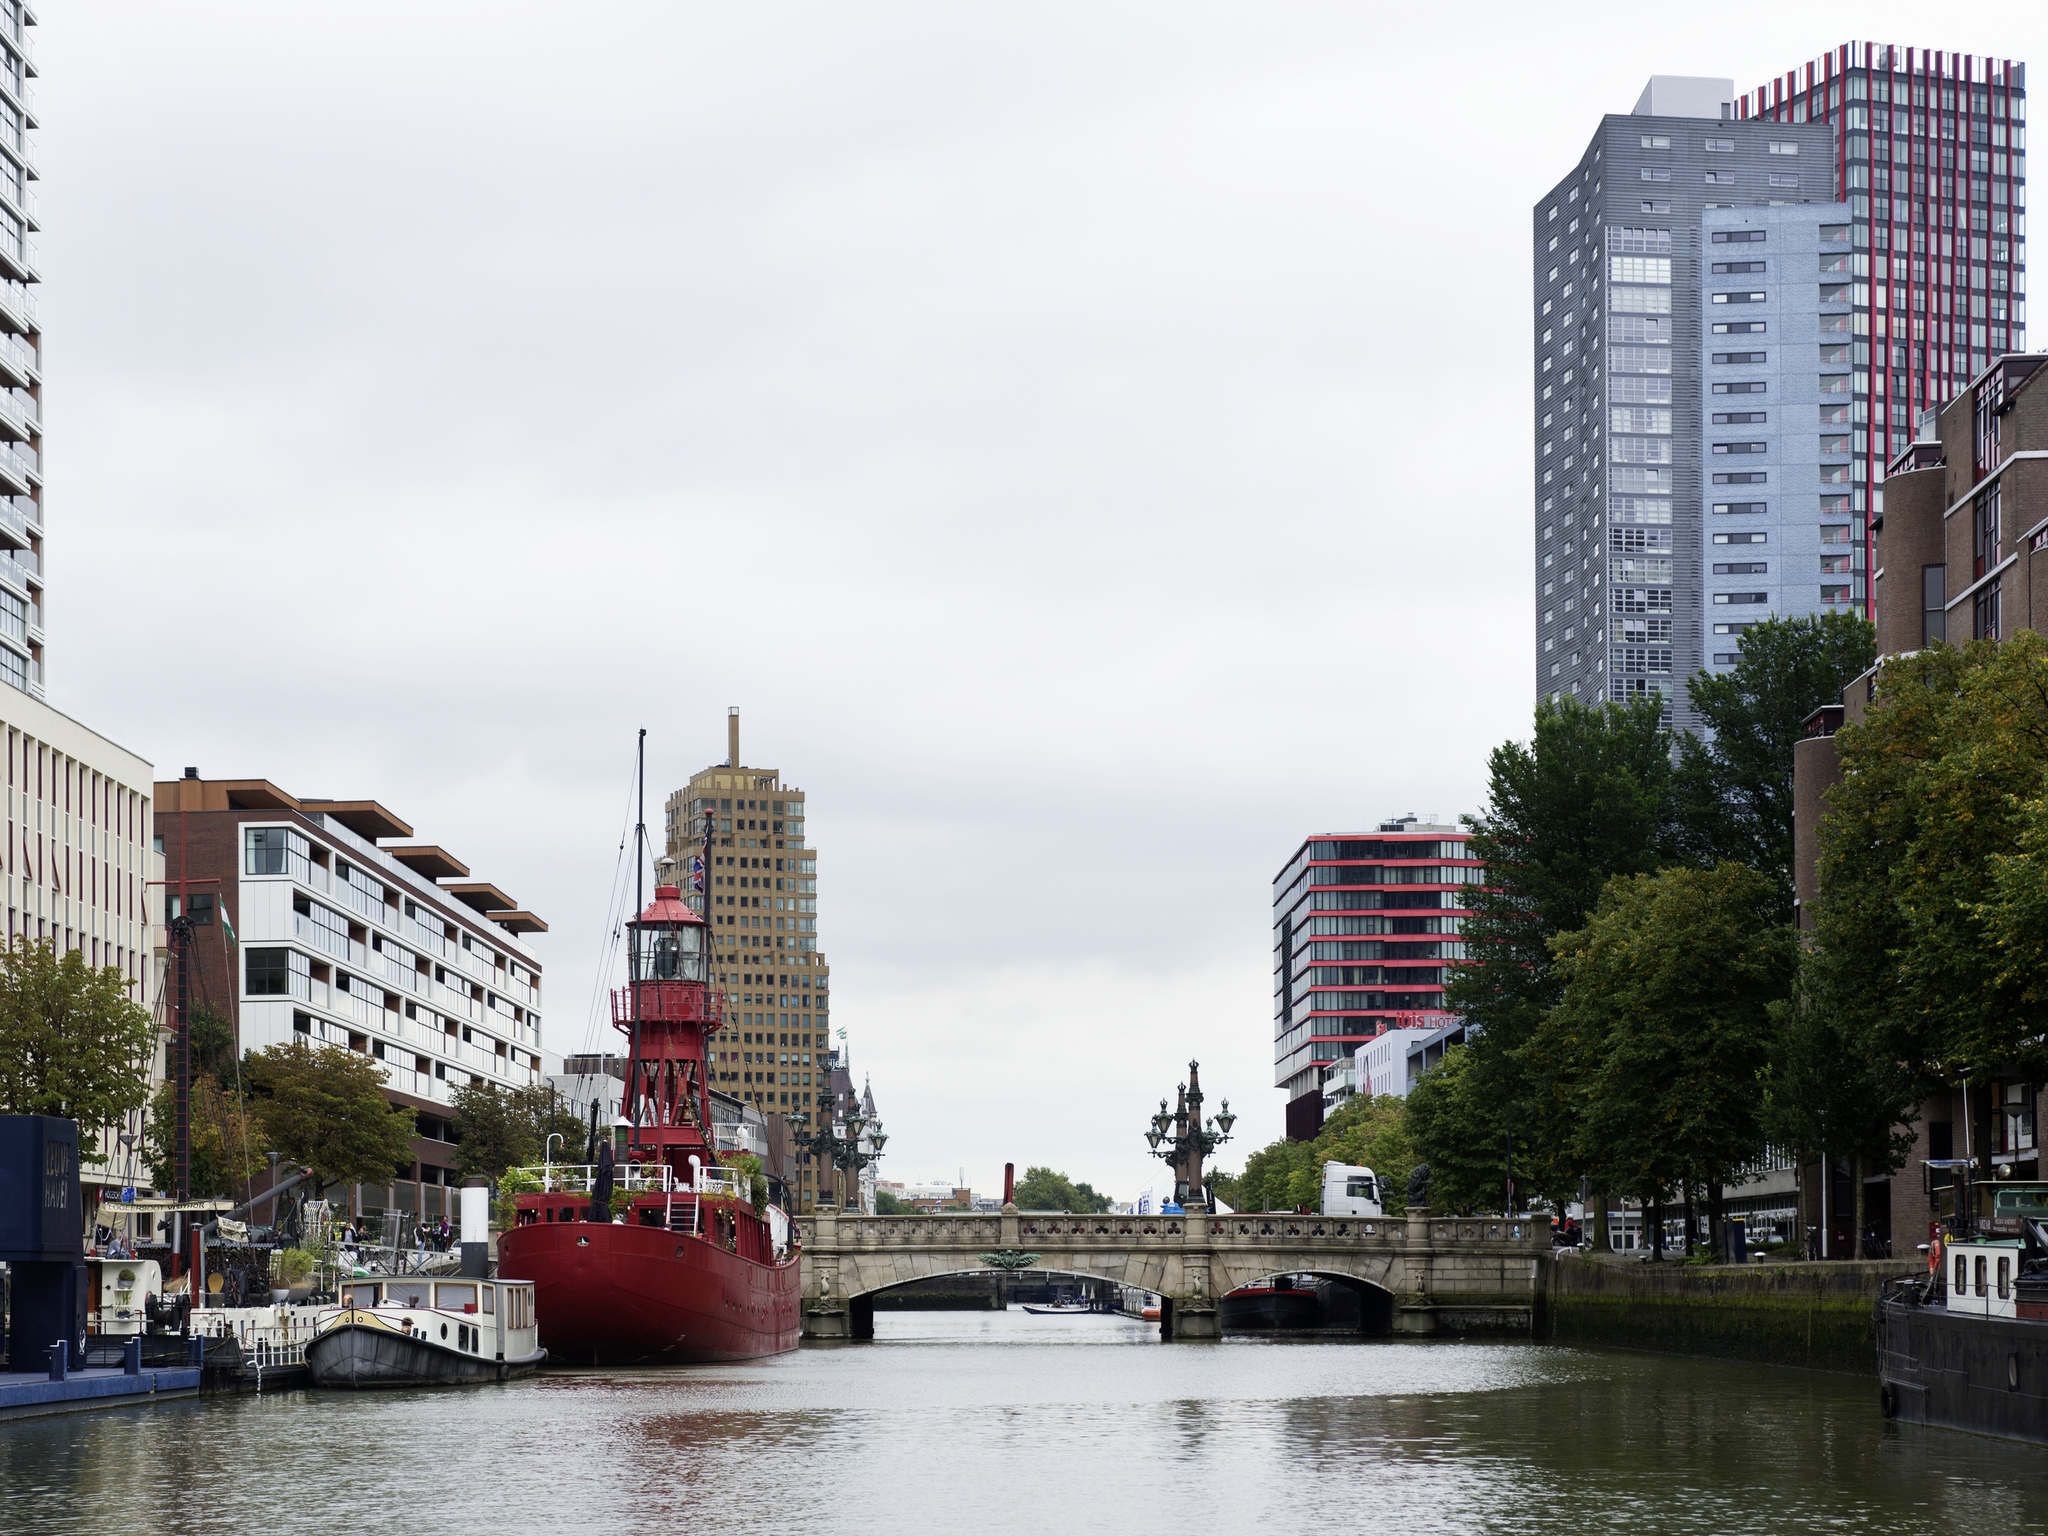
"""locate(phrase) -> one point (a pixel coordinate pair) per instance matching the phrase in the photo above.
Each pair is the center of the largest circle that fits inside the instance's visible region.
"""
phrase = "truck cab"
(1349, 1191)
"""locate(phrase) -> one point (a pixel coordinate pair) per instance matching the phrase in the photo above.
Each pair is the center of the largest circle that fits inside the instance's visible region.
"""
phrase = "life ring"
(1888, 1400)
(1934, 1255)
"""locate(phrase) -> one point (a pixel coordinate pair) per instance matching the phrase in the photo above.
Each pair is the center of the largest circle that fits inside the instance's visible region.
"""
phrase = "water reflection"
(1002, 1422)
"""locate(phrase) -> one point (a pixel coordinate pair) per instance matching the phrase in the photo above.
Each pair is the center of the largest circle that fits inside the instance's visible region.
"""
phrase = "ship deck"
(29, 1394)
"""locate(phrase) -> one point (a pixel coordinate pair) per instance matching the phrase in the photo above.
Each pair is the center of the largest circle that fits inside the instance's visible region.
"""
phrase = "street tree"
(1666, 1020)
(1041, 1189)
(72, 1041)
(494, 1129)
(1455, 1127)
(224, 1150)
(1733, 787)
(326, 1111)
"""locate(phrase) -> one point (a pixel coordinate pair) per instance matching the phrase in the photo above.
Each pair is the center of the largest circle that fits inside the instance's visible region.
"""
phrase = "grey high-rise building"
(21, 363)
(1619, 321)
(1671, 514)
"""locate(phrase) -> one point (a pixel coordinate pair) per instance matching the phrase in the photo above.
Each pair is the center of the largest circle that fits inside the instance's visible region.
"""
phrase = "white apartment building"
(342, 931)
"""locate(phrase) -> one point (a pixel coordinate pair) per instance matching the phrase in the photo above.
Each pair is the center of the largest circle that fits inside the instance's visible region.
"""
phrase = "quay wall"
(1819, 1315)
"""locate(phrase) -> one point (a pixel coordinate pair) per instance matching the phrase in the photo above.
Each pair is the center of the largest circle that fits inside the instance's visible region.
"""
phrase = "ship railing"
(581, 1178)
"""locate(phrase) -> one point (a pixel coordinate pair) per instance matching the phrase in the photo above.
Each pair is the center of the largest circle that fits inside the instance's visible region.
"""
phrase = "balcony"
(18, 304)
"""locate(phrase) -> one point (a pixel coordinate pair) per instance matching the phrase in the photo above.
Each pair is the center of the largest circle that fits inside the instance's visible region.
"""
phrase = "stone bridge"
(1437, 1273)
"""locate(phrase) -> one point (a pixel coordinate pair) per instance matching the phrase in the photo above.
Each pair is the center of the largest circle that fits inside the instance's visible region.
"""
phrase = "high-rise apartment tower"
(21, 363)
(1646, 481)
(760, 895)
(1930, 155)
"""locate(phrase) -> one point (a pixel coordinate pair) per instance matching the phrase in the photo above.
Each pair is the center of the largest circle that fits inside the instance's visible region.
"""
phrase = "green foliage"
(1366, 1132)
(1041, 1189)
(500, 1128)
(326, 1111)
(289, 1266)
(1453, 1126)
(1664, 1030)
(1734, 783)
(72, 1041)
(1932, 930)
(889, 1203)
(222, 1146)
(746, 1169)
(211, 1034)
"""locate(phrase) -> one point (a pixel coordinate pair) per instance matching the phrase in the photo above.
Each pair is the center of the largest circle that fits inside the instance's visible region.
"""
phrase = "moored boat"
(671, 1257)
(1965, 1346)
(417, 1333)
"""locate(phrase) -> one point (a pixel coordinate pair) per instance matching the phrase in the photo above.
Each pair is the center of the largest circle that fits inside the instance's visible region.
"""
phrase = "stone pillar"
(825, 1311)
(1414, 1309)
(1194, 1313)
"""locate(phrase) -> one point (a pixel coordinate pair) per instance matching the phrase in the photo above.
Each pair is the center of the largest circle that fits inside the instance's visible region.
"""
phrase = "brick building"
(1962, 553)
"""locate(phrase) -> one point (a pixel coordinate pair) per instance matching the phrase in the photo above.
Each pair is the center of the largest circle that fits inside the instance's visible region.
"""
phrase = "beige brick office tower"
(760, 895)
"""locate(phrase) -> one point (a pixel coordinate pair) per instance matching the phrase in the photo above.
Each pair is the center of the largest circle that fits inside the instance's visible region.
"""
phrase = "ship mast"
(633, 939)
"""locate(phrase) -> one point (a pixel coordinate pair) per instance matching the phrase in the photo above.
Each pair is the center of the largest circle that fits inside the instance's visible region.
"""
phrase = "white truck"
(1349, 1191)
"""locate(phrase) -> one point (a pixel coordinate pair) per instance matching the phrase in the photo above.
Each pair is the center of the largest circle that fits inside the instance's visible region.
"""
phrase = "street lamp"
(547, 1161)
(843, 1152)
(1181, 1139)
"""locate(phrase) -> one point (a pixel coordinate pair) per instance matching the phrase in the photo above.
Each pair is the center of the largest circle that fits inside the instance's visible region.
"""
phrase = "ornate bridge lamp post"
(843, 1153)
(1181, 1139)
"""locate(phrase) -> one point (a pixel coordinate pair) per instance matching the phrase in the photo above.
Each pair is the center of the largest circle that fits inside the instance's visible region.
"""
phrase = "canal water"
(984, 1423)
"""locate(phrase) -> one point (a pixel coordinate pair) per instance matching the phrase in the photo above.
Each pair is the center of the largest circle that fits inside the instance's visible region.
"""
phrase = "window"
(1784, 147)
(1740, 508)
(265, 851)
(1720, 146)
(1741, 447)
(1741, 387)
(1835, 234)
(1729, 267)
(1738, 236)
(1984, 618)
(1739, 418)
(1962, 1285)
(1738, 327)
(1639, 269)
(1741, 357)
(1834, 293)
(1656, 141)
(1742, 597)
(1783, 179)
(1741, 538)
(1743, 568)
(1642, 242)
(268, 972)
(1656, 173)
(1984, 548)
(1753, 296)
(1655, 205)
(1743, 477)
(1719, 178)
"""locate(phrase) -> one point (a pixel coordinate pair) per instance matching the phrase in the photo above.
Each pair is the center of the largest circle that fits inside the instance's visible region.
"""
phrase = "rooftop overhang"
(426, 860)
(479, 895)
(221, 795)
(517, 921)
(366, 818)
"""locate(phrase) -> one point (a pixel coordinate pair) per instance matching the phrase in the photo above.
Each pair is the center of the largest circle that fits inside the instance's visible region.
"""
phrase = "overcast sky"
(1089, 442)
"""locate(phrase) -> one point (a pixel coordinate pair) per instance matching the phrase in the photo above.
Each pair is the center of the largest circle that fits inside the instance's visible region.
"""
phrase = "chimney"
(191, 773)
(732, 737)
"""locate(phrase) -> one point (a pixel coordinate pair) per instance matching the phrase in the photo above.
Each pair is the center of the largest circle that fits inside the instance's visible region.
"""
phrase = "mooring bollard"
(60, 1359)
(131, 1356)
(197, 1345)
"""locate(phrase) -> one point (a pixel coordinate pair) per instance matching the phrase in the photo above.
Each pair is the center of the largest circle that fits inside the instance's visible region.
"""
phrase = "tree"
(889, 1203)
(1930, 929)
(72, 1041)
(494, 1130)
(1665, 1024)
(1588, 798)
(1456, 1129)
(1267, 1183)
(1734, 782)
(325, 1110)
(212, 1040)
(1043, 1190)
(1287, 1175)
(222, 1146)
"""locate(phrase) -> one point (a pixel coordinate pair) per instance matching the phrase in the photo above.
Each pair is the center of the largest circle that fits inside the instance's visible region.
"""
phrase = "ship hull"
(1985, 1374)
(618, 1294)
(352, 1356)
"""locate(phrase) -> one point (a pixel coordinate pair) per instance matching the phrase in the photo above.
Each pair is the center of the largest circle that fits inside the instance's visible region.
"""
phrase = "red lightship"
(685, 1269)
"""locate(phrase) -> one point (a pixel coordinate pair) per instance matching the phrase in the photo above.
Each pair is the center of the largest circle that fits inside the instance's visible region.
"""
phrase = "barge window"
(1962, 1275)
(1981, 1288)
(2004, 1277)
(490, 1301)
(406, 1293)
(455, 1298)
